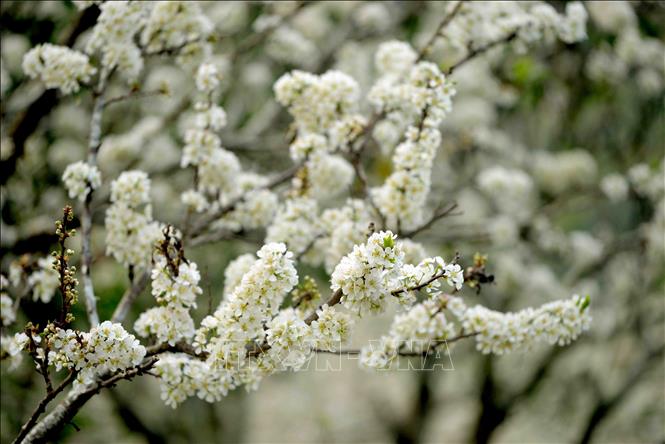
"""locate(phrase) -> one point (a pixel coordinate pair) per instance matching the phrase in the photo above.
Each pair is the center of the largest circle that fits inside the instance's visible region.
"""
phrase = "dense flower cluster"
(131, 232)
(257, 298)
(253, 333)
(416, 97)
(58, 67)
(418, 330)
(257, 209)
(114, 36)
(103, 350)
(529, 22)
(558, 322)
(176, 291)
(234, 272)
(331, 329)
(342, 228)
(368, 274)
(511, 188)
(316, 102)
(81, 179)
(295, 224)
(182, 377)
(177, 24)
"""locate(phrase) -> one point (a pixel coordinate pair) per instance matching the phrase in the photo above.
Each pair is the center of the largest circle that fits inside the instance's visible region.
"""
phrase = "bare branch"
(439, 214)
(480, 50)
(130, 296)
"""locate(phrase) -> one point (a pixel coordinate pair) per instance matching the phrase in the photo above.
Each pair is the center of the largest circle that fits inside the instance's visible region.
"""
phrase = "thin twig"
(432, 348)
(134, 95)
(482, 49)
(419, 286)
(439, 214)
(424, 52)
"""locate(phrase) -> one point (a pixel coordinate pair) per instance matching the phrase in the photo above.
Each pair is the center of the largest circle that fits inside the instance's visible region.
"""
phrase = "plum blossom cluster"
(124, 33)
(511, 189)
(323, 108)
(175, 288)
(480, 23)
(257, 204)
(217, 169)
(255, 300)
(236, 324)
(416, 97)
(418, 330)
(236, 269)
(177, 24)
(81, 179)
(182, 377)
(558, 322)
(295, 223)
(114, 36)
(317, 102)
(7, 314)
(105, 349)
(341, 229)
(634, 53)
(9, 347)
(369, 273)
(130, 231)
(331, 329)
(58, 67)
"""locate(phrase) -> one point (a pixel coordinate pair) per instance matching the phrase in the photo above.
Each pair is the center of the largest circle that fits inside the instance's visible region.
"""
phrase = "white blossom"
(331, 329)
(557, 322)
(81, 179)
(58, 67)
(366, 275)
(44, 281)
(106, 348)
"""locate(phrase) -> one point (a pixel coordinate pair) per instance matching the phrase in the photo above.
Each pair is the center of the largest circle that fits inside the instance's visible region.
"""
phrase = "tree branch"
(480, 50)
(130, 296)
(424, 52)
(433, 347)
(50, 396)
(211, 217)
(439, 214)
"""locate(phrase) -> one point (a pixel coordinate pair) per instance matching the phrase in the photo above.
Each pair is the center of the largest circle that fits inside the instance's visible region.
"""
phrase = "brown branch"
(432, 348)
(424, 52)
(419, 286)
(439, 214)
(256, 39)
(46, 429)
(130, 296)
(480, 50)
(334, 299)
(41, 407)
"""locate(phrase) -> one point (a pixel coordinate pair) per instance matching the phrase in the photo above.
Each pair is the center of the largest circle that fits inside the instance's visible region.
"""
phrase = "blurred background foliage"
(568, 115)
